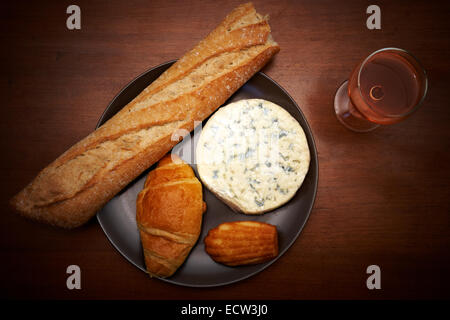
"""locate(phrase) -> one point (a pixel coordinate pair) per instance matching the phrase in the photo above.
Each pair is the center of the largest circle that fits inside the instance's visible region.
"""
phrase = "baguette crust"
(75, 186)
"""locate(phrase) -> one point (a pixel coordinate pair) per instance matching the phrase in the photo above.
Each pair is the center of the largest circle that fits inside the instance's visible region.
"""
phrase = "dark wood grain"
(383, 197)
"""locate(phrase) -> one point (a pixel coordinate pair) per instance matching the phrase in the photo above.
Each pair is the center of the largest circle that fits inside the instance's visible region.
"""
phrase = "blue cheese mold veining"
(253, 155)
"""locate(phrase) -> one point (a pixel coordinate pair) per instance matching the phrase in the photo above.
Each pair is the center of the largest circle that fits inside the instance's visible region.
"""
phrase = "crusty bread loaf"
(76, 185)
(169, 214)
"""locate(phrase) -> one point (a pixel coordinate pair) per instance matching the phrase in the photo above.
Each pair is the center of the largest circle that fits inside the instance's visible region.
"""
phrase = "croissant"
(169, 214)
(242, 242)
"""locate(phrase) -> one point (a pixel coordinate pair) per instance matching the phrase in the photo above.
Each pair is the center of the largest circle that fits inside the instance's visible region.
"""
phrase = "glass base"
(347, 114)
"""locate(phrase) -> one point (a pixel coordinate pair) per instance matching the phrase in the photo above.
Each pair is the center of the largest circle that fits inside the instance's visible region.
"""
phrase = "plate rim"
(288, 246)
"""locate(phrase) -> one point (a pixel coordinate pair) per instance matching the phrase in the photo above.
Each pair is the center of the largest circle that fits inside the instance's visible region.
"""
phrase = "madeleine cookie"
(242, 242)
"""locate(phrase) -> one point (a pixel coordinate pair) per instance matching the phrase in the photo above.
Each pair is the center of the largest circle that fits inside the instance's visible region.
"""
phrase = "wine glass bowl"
(384, 88)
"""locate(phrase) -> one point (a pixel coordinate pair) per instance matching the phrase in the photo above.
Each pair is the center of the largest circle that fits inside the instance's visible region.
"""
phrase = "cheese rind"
(253, 155)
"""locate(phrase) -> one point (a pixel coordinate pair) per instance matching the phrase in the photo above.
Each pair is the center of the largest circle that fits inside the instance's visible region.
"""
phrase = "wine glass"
(384, 88)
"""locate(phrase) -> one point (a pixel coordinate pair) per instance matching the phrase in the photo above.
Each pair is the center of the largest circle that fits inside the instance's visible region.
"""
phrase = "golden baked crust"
(69, 191)
(242, 242)
(169, 215)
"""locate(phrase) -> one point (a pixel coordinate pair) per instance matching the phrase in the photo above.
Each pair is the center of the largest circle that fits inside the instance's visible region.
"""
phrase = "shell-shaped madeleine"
(242, 242)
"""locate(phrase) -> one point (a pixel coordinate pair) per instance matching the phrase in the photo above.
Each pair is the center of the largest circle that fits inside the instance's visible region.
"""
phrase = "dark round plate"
(118, 221)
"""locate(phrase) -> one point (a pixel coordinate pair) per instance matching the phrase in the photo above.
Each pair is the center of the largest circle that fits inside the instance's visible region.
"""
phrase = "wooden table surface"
(383, 197)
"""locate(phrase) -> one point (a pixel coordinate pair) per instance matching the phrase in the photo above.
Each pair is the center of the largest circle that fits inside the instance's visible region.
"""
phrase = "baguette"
(69, 191)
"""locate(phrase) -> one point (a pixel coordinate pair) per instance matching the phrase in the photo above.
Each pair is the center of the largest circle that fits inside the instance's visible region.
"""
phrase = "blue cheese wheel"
(253, 155)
